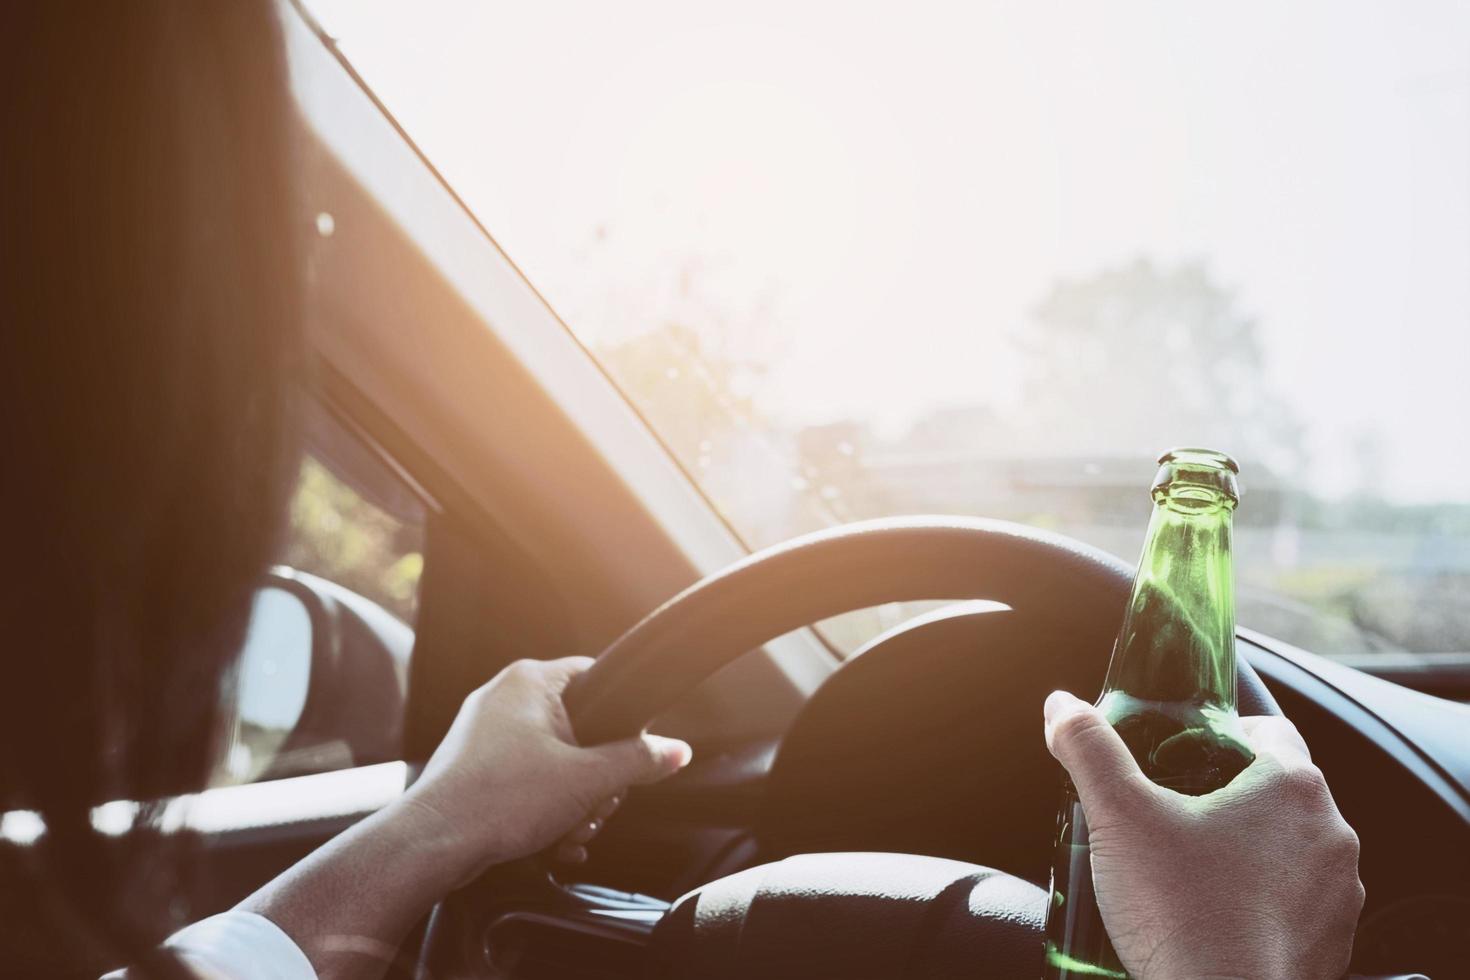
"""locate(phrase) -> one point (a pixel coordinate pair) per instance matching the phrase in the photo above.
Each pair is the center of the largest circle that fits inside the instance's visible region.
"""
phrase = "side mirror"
(272, 682)
(320, 683)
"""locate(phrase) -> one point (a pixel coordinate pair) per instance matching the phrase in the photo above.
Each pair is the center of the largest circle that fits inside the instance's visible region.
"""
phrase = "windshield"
(858, 260)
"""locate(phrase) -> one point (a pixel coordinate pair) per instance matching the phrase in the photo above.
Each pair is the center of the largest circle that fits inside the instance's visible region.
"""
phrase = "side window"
(322, 678)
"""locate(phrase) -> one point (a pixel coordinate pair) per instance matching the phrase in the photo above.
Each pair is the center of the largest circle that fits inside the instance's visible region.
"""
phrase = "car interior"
(841, 812)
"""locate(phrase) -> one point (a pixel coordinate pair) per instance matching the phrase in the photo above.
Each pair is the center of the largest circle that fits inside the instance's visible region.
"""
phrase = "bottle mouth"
(1197, 480)
(1202, 457)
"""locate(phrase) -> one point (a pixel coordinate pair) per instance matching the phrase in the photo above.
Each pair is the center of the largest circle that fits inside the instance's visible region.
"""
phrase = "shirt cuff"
(239, 945)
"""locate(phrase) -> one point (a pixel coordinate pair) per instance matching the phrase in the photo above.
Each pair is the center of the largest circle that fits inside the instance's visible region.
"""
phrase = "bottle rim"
(1187, 454)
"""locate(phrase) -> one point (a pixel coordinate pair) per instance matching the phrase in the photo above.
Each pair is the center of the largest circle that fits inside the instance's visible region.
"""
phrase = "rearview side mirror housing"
(320, 684)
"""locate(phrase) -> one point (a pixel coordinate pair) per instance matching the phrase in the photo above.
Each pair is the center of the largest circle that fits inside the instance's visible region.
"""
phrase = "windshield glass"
(858, 260)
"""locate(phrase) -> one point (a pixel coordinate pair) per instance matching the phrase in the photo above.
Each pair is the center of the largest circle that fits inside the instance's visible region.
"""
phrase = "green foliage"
(338, 535)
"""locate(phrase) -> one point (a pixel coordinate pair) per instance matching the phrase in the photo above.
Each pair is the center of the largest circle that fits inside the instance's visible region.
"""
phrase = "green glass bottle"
(1170, 689)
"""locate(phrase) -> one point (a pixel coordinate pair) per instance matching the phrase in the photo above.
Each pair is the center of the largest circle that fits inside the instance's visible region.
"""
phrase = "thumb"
(644, 759)
(1105, 773)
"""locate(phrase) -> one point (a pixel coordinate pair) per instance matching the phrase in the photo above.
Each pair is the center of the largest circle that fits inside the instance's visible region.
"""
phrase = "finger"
(559, 673)
(583, 832)
(609, 807)
(1277, 735)
(570, 853)
(641, 760)
(1107, 778)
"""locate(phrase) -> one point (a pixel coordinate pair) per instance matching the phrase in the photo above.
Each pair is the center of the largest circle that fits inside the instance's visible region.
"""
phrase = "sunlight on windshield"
(853, 260)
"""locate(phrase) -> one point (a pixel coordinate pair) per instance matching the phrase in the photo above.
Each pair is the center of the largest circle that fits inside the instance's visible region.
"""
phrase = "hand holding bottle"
(1258, 879)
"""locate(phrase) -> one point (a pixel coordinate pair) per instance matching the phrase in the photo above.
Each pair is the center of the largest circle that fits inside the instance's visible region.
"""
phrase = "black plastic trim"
(1280, 664)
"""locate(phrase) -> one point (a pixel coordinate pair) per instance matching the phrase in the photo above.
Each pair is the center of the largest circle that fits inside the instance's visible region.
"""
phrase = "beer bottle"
(1170, 688)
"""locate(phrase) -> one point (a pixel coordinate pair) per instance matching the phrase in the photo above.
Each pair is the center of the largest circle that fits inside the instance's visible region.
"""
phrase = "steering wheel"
(851, 915)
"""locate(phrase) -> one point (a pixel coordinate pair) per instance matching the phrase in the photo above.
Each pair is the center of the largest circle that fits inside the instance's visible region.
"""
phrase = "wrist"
(1227, 943)
(420, 825)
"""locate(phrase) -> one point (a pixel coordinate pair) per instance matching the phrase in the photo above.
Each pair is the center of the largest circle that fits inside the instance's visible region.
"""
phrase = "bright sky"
(886, 190)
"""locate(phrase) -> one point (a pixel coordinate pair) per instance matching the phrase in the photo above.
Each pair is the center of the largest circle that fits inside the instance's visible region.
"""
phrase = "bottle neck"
(1177, 642)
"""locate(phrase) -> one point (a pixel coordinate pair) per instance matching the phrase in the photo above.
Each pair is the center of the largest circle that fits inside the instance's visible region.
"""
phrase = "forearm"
(508, 780)
(350, 903)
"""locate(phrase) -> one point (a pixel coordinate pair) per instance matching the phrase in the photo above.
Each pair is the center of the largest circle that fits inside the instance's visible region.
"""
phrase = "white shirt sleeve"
(241, 946)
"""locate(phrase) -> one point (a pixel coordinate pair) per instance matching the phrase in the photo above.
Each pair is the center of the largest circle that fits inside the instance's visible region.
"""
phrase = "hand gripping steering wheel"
(850, 915)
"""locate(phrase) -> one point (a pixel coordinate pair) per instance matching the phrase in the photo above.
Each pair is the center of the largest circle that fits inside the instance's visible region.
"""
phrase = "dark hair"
(149, 328)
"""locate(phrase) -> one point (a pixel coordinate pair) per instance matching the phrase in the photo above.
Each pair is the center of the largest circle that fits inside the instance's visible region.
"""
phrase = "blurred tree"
(1370, 459)
(338, 535)
(693, 396)
(701, 404)
(1137, 358)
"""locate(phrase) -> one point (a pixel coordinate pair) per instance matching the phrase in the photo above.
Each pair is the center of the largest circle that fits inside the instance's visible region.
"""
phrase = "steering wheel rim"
(838, 570)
